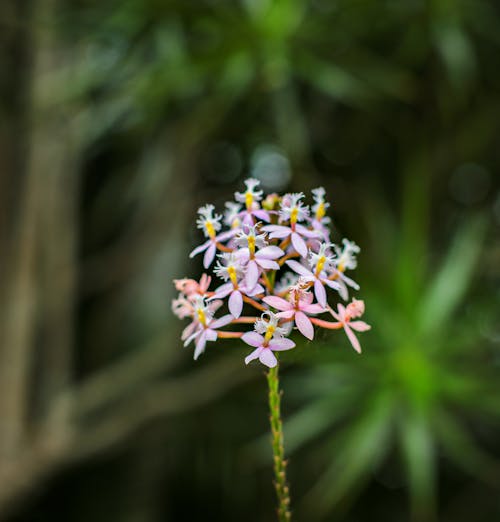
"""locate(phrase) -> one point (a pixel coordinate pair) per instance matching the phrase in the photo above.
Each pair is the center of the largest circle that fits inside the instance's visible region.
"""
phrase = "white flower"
(207, 221)
(346, 257)
(231, 217)
(251, 239)
(251, 194)
(292, 208)
(267, 325)
(231, 270)
(322, 260)
(320, 205)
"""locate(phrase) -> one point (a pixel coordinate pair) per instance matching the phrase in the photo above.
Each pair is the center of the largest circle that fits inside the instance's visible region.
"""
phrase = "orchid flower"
(250, 198)
(204, 326)
(294, 211)
(266, 344)
(256, 260)
(210, 224)
(319, 262)
(231, 272)
(344, 316)
(297, 307)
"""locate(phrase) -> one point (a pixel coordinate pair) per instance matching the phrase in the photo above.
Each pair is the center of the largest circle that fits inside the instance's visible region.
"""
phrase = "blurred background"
(117, 120)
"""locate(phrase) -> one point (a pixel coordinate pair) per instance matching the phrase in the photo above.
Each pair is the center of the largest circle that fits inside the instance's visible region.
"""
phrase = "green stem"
(280, 483)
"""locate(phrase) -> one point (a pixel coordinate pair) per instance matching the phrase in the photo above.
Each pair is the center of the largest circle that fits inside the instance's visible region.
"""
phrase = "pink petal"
(303, 231)
(277, 231)
(211, 335)
(304, 325)
(222, 291)
(267, 264)
(200, 346)
(209, 255)
(252, 274)
(320, 292)
(269, 252)
(189, 330)
(278, 303)
(226, 235)
(286, 315)
(359, 326)
(299, 244)
(257, 289)
(268, 358)
(253, 355)
(252, 338)
(311, 308)
(281, 344)
(199, 249)
(222, 321)
(261, 214)
(352, 338)
(236, 303)
(350, 282)
(300, 269)
(248, 219)
(332, 284)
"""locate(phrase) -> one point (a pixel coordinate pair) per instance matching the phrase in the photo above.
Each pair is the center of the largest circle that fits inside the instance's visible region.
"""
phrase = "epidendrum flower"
(265, 237)
(257, 243)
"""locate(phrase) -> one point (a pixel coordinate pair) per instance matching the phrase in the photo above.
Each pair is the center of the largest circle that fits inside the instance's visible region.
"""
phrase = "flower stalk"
(280, 481)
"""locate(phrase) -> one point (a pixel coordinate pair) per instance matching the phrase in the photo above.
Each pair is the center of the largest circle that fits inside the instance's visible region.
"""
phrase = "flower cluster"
(274, 256)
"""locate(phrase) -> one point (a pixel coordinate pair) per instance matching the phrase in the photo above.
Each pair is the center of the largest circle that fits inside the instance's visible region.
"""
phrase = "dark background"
(117, 120)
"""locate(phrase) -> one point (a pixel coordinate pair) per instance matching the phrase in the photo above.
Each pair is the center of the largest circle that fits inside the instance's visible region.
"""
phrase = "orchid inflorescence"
(275, 256)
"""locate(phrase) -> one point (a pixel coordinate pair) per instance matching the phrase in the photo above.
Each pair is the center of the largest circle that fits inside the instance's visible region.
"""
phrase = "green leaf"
(418, 451)
(447, 289)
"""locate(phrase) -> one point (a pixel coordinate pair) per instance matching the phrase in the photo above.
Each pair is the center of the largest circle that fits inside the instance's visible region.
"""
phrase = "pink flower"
(190, 287)
(318, 277)
(250, 198)
(236, 293)
(300, 304)
(270, 342)
(210, 224)
(292, 210)
(345, 315)
(264, 351)
(254, 260)
(204, 325)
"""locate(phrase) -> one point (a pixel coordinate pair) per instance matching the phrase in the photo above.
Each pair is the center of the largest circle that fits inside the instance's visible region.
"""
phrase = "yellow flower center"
(248, 200)
(269, 334)
(320, 264)
(201, 316)
(341, 267)
(232, 275)
(293, 215)
(320, 211)
(210, 229)
(251, 245)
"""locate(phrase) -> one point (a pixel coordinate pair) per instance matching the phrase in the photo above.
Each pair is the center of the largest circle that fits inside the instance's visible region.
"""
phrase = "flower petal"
(222, 291)
(210, 334)
(303, 231)
(267, 264)
(200, 249)
(278, 303)
(261, 214)
(209, 255)
(269, 252)
(222, 321)
(304, 325)
(268, 358)
(311, 308)
(252, 338)
(299, 244)
(236, 303)
(253, 355)
(300, 269)
(359, 326)
(281, 343)
(200, 345)
(320, 292)
(277, 231)
(286, 315)
(257, 289)
(352, 338)
(252, 274)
